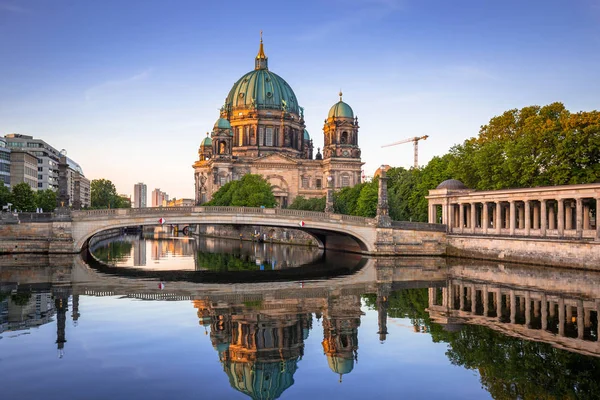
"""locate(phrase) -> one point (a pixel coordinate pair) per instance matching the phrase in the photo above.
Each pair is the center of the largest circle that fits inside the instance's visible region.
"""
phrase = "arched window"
(305, 182)
(344, 138)
(261, 136)
(269, 137)
(345, 181)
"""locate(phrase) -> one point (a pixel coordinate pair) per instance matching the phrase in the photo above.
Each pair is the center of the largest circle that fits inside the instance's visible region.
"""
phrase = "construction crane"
(415, 141)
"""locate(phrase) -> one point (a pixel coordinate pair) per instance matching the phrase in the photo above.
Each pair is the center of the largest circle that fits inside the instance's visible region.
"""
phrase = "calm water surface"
(209, 318)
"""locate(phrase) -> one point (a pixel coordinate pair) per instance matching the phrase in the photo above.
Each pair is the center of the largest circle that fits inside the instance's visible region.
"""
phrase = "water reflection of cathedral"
(259, 344)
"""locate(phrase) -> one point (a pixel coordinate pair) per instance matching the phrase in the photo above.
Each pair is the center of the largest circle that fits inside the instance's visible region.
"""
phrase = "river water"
(184, 318)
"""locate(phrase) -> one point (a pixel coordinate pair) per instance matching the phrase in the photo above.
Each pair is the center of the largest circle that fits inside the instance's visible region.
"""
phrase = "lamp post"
(329, 199)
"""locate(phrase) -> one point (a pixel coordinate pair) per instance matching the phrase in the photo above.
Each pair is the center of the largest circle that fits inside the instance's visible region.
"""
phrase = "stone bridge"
(333, 231)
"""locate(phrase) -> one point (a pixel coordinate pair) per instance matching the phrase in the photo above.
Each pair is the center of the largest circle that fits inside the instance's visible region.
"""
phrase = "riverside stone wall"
(278, 235)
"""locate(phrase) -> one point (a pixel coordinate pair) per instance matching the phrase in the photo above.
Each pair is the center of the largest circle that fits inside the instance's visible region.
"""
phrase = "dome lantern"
(261, 61)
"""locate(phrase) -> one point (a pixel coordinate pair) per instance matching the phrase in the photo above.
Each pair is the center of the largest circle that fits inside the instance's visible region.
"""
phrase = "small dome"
(452, 184)
(341, 109)
(207, 142)
(340, 365)
(222, 123)
(306, 135)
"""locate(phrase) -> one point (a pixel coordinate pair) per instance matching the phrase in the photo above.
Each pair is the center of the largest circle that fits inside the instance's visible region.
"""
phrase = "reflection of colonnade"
(557, 211)
(564, 321)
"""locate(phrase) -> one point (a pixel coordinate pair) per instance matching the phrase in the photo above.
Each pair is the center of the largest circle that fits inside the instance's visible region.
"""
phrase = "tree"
(313, 204)
(366, 205)
(23, 197)
(5, 195)
(104, 194)
(46, 200)
(250, 191)
(345, 200)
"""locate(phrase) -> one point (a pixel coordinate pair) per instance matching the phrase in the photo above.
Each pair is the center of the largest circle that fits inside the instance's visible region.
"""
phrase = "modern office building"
(23, 168)
(4, 163)
(47, 158)
(139, 195)
(79, 186)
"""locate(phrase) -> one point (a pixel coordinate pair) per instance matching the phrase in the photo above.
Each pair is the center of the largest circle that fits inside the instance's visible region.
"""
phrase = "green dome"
(341, 109)
(222, 123)
(262, 89)
(340, 365)
(306, 135)
(262, 380)
(207, 142)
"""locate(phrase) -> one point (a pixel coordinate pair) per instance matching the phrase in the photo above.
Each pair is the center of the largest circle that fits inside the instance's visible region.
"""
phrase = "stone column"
(597, 219)
(485, 223)
(383, 210)
(586, 216)
(513, 306)
(434, 214)
(329, 198)
(473, 299)
(430, 213)
(551, 218)
(568, 215)
(561, 317)
(473, 216)
(498, 304)
(485, 299)
(536, 216)
(543, 217)
(580, 320)
(498, 217)
(512, 217)
(544, 312)
(561, 217)
(527, 213)
(527, 309)
(521, 217)
(461, 217)
(461, 298)
(579, 218)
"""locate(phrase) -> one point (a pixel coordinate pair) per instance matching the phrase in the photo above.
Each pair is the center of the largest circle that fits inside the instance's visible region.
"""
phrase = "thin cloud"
(13, 8)
(116, 84)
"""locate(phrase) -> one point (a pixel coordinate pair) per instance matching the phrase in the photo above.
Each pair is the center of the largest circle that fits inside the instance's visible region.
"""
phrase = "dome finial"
(261, 57)
(340, 94)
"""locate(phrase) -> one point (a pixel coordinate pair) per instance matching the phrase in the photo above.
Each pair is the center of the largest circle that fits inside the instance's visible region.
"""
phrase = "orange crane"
(415, 141)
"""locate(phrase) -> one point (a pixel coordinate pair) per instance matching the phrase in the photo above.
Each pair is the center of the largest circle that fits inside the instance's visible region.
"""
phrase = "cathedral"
(261, 130)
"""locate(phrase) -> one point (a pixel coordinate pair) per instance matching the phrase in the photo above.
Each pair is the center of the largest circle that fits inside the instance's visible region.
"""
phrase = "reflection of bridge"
(334, 231)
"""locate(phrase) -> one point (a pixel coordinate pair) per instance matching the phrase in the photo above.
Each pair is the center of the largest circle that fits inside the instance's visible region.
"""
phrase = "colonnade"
(537, 314)
(563, 212)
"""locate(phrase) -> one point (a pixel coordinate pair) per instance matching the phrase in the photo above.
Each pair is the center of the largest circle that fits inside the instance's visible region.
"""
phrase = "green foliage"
(221, 262)
(104, 194)
(23, 198)
(46, 200)
(5, 195)
(250, 191)
(21, 298)
(113, 251)
(345, 200)
(366, 205)
(313, 204)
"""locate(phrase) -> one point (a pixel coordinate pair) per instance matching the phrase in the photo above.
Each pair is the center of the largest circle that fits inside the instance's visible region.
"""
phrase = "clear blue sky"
(129, 88)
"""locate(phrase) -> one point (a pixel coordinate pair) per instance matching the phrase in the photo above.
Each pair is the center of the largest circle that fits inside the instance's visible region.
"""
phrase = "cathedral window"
(344, 138)
(261, 136)
(305, 182)
(240, 136)
(345, 181)
(318, 183)
(269, 137)
(222, 180)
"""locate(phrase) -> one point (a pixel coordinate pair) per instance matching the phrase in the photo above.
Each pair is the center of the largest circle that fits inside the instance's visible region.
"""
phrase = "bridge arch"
(336, 232)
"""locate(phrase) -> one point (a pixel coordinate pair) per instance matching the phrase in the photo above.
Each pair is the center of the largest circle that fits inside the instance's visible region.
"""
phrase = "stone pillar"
(527, 213)
(485, 223)
(580, 320)
(473, 216)
(586, 216)
(521, 217)
(445, 297)
(561, 317)
(434, 214)
(383, 211)
(62, 200)
(461, 299)
(498, 304)
(527, 309)
(597, 219)
(543, 217)
(513, 306)
(461, 217)
(329, 198)
(544, 312)
(498, 217)
(512, 218)
(561, 217)
(568, 215)
(536, 216)
(551, 218)
(473, 299)
(485, 299)
(579, 218)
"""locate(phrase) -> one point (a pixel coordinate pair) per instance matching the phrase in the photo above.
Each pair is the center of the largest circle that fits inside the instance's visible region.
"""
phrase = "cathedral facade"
(261, 130)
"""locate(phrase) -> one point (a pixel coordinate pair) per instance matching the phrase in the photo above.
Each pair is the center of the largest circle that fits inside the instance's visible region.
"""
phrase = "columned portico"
(553, 212)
